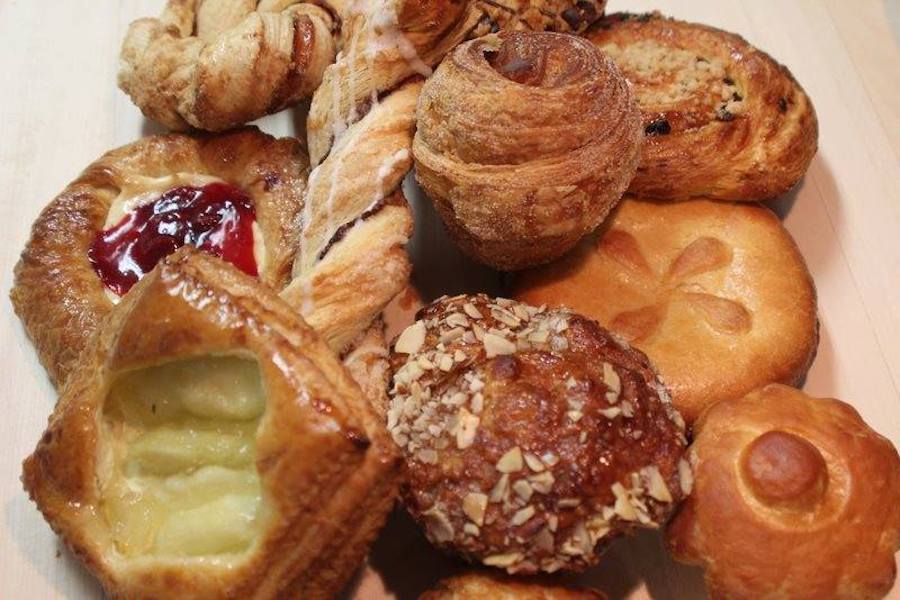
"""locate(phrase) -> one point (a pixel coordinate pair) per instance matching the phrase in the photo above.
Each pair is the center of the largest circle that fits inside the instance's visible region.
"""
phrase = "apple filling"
(181, 478)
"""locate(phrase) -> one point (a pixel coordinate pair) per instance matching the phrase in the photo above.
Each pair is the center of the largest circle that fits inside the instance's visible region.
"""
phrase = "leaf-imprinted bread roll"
(525, 141)
(794, 497)
(721, 118)
(717, 294)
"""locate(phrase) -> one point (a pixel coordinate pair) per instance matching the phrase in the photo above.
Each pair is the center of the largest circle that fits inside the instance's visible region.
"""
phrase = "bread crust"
(836, 539)
(532, 438)
(690, 283)
(222, 63)
(525, 141)
(327, 467)
(490, 586)
(722, 119)
(57, 293)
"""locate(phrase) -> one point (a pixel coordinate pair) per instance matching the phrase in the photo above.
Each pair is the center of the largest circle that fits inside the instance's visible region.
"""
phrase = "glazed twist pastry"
(794, 497)
(216, 64)
(721, 118)
(180, 463)
(525, 141)
(355, 224)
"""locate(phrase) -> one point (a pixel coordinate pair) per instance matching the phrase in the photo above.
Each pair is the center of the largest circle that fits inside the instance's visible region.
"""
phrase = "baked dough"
(532, 437)
(694, 284)
(794, 497)
(57, 293)
(217, 64)
(525, 141)
(721, 118)
(179, 461)
(483, 586)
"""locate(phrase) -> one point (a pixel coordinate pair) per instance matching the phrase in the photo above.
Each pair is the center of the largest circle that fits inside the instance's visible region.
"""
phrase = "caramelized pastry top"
(531, 436)
(794, 497)
(720, 117)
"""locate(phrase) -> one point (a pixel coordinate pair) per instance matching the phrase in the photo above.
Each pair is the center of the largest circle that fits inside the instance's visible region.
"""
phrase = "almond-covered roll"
(525, 141)
(532, 437)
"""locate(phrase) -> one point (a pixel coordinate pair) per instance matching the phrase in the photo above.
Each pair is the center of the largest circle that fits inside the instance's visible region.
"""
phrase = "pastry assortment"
(232, 421)
(688, 283)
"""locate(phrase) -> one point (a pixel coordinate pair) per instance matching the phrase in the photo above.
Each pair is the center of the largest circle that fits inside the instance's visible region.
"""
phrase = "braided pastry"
(525, 141)
(180, 463)
(216, 64)
(721, 118)
(794, 497)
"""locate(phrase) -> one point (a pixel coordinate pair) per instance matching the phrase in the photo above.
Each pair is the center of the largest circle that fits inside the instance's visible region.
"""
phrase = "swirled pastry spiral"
(532, 437)
(216, 64)
(794, 497)
(525, 141)
(721, 118)
(690, 283)
(210, 445)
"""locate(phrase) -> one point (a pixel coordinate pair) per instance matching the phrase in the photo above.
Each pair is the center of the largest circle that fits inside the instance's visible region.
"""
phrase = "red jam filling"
(217, 218)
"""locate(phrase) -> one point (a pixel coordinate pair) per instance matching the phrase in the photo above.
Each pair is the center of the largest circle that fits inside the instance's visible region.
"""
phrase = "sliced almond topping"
(467, 426)
(552, 522)
(657, 485)
(452, 334)
(523, 489)
(502, 560)
(472, 311)
(543, 482)
(627, 409)
(511, 461)
(494, 345)
(611, 413)
(471, 529)
(549, 458)
(500, 489)
(522, 516)
(427, 456)
(424, 363)
(438, 525)
(543, 540)
(574, 415)
(459, 355)
(686, 476)
(457, 320)
(623, 505)
(611, 378)
(539, 337)
(476, 385)
(446, 362)
(533, 462)
(474, 505)
(411, 339)
(569, 502)
(477, 403)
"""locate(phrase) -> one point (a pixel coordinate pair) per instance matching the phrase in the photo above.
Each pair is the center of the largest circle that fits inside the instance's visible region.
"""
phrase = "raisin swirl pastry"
(721, 118)
(525, 142)
(532, 437)
(210, 445)
(794, 497)
(216, 64)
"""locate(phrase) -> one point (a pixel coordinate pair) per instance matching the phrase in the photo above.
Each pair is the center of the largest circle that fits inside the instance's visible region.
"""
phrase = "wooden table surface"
(61, 110)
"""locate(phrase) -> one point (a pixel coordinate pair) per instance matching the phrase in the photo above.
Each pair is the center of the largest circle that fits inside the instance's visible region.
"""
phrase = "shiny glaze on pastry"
(690, 283)
(209, 445)
(490, 586)
(525, 141)
(218, 64)
(794, 497)
(57, 292)
(532, 437)
(721, 118)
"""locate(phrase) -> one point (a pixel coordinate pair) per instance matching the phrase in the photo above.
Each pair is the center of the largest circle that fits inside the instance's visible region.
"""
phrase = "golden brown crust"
(722, 119)
(326, 465)
(794, 497)
(563, 16)
(351, 259)
(525, 141)
(57, 293)
(688, 283)
(220, 63)
(485, 586)
(532, 437)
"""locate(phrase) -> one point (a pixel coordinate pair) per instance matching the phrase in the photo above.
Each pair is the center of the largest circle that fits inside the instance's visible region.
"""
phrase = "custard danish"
(721, 118)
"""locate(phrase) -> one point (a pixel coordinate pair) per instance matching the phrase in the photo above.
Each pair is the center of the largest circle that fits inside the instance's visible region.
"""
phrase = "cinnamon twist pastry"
(216, 64)
(794, 497)
(721, 118)
(525, 141)
(355, 224)
(180, 463)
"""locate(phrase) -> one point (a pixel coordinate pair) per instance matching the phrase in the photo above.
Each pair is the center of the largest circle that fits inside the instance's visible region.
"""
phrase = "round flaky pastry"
(717, 295)
(532, 437)
(721, 119)
(525, 141)
(210, 445)
(794, 497)
(217, 64)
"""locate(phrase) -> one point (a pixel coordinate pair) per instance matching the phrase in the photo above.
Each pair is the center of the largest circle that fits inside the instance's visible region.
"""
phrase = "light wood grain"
(60, 109)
